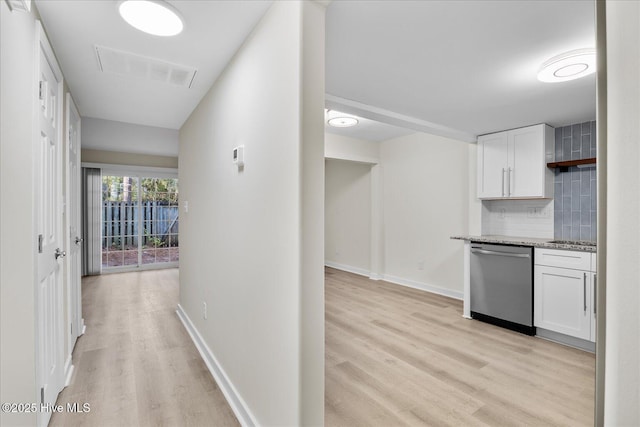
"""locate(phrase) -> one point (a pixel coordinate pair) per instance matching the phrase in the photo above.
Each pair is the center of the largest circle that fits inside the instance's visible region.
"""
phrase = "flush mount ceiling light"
(152, 16)
(342, 122)
(568, 66)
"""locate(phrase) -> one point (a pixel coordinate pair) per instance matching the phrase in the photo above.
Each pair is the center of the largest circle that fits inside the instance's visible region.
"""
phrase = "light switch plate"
(238, 156)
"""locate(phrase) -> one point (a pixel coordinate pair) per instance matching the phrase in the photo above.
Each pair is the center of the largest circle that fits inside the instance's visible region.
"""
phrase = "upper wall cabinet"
(513, 164)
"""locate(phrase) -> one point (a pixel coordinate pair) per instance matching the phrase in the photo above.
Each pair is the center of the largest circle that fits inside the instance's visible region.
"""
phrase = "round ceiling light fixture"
(568, 66)
(342, 122)
(152, 16)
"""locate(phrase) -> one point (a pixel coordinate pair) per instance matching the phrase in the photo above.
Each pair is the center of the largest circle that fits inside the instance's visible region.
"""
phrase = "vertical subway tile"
(575, 233)
(585, 210)
(557, 220)
(557, 196)
(594, 225)
(566, 148)
(585, 186)
(575, 137)
(566, 183)
(575, 196)
(575, 219)
(586, 146)
(557, 175)
(585, 232)
(575, 190)
(576, 129)
(558, 139)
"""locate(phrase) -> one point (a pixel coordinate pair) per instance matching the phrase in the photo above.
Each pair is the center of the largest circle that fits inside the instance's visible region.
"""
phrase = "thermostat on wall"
(238, 155)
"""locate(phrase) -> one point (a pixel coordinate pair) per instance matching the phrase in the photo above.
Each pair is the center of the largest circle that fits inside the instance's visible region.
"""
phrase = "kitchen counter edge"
(526, 241)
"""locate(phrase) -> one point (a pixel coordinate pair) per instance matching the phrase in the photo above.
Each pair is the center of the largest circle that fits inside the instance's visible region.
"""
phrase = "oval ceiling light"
(342, 122)
(152, 16)
(568, 66)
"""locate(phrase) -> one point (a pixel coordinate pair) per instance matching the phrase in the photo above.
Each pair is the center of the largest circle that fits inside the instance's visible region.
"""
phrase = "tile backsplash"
(574, 214)
(518, 218)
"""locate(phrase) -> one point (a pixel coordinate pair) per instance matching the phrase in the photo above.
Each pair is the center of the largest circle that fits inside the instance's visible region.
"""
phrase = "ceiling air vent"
(129, 64)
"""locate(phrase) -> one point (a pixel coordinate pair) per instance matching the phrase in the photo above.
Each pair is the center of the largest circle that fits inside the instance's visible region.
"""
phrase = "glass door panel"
(119, 221)
(160, 206)
(140, 221)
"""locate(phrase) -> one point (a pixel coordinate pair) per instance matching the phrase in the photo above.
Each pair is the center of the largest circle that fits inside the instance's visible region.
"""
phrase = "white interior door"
(49, 315)
(75, 224)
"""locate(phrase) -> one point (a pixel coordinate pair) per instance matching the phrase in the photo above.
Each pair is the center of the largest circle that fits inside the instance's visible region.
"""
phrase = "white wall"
(251, 242)
(108, 135)
(474, 204)
(622, 364)
(346, 148)
(348, 215)
(17, 245)
(427, 199)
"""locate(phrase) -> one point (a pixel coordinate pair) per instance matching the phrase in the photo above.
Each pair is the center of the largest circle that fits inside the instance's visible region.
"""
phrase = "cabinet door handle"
(584, 291)
(503, 171)
(509, 178)
(595, 293)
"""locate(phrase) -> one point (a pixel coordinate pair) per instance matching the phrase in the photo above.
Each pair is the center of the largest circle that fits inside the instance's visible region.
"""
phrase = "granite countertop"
(573, 245)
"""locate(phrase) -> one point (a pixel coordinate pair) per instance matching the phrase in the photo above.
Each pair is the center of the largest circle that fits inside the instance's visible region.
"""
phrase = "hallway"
(136, 364)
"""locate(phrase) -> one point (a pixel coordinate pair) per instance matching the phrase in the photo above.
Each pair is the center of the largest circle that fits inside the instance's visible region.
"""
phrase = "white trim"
(397, 280)
(385, 116)
(238, 405)
(155, 172)
(19, 5)
(348, 268)
(423, 286)
(68, 371)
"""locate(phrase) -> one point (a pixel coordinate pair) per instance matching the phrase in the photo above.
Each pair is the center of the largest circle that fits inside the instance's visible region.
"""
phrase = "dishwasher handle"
(498, 253)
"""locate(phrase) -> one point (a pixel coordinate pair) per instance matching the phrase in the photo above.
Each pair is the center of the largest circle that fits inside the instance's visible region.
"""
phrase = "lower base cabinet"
(564, 297)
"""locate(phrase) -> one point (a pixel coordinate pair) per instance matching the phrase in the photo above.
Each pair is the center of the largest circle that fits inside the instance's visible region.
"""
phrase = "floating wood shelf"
(564, 166)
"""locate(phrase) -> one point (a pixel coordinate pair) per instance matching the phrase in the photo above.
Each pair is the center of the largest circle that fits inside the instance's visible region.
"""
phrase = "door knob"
(79, 240)
(60, 254)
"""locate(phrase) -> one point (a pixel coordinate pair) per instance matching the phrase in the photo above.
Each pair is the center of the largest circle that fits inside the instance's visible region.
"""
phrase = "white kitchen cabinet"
(513, 164)
(564, 293)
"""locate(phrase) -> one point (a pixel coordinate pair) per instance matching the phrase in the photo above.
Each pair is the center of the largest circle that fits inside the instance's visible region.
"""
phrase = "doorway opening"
(140, 222)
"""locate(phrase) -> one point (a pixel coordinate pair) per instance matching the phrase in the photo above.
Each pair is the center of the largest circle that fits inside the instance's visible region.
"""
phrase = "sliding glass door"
(140, 223)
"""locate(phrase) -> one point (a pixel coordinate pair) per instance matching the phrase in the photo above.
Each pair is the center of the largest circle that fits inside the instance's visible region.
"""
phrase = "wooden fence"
(121, 222)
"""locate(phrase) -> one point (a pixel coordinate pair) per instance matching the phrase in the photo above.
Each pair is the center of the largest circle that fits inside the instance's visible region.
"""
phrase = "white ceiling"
(467, 66)
(214, 30)
(454, 68)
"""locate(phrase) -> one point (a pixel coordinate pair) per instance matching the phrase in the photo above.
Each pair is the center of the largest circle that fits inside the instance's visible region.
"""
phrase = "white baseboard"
(424, 286)
(347, 268)
(238, 405)
(397, 280)
(84, 327)
(68, 371)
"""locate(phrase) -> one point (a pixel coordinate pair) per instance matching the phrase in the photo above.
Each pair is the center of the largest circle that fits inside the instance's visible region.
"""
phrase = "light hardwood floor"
(398, 356)
(394, 356)
(136, 365)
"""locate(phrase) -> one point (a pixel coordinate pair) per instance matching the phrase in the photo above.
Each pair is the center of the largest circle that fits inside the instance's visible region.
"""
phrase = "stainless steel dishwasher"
(502, 286)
